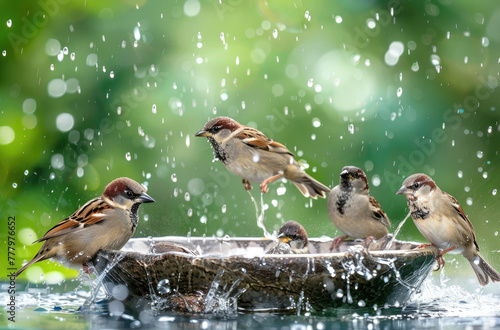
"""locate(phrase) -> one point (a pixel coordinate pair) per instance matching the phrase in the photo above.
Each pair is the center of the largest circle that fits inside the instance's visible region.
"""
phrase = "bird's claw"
(88, 270)
(263, 187)
(336, 242)
(246, 184)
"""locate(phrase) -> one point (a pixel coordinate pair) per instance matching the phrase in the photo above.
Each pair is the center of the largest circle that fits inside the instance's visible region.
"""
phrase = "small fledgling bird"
(292, 239)
(441, 220)
(252, 156)
(353, 211)
(105, 222)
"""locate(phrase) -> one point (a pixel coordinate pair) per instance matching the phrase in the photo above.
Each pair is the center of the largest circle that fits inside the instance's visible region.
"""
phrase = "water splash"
(396, 232)
(95, 286)
(260, 216)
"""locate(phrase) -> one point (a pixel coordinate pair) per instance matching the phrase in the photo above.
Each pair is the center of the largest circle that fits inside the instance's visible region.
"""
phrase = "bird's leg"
(246, 184)
(440, 259)
(263, 185)
(87, 269)
(337, 241)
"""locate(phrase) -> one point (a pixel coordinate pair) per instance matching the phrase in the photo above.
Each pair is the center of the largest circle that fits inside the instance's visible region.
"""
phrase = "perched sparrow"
(105, 222)
(353, 211)
(441, 220)
(251, 155)
(292, 239)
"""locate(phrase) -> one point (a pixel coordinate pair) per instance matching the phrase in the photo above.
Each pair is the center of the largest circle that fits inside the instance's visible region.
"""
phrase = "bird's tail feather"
(310, 187)
(483, 270)
(37, 258)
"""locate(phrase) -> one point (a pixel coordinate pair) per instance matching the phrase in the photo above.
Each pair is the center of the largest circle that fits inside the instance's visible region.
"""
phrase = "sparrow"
(441, 220)
(292, 239)
(353, 211)
(105, 222)
(252, 156)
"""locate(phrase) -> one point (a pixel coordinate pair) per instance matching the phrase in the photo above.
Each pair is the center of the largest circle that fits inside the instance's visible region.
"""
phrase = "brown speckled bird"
(252, 156)
(105, 222)
(353, 211)
(441, 219)
(292, 239)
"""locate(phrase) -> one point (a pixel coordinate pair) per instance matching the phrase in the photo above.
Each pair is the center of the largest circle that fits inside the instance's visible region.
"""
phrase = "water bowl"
(235, 274)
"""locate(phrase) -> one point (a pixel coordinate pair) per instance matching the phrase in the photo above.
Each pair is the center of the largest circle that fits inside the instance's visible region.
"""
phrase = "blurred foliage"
(91, 91)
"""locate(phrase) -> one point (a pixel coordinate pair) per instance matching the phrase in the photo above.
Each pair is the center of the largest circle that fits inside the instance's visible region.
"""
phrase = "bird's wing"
(378, 213)
(469, 231)
(89, 214)
(256, 139)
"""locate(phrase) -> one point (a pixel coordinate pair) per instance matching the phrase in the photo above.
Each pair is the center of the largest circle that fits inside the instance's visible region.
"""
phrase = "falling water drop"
(128, 157)
(164, 286)
(173, 177)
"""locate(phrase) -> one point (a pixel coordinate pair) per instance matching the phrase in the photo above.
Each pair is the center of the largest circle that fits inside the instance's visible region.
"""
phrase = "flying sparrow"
(105, 222)
(353, 211)
(292, 239)
(252, 156)
(441, 220)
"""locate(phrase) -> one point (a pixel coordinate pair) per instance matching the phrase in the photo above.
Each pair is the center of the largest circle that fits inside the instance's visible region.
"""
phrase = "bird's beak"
(283, 239)
(403, 191)
(144, 198)
(345, 175)
(203, 133)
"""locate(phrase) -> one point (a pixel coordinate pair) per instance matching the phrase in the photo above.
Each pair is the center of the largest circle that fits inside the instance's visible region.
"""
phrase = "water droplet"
(111, 74)
(128, 156)
(485, 175)
(224, 208)
(163, 286)
(460, 174)
(4, 53)
(494, 192)
(26, 172)
(203, 219)
(14, 185)
(479, 154)
(399, 92)
(281, 191)
(190, 212)
(187, 197)
(350, 127)
(316, 122)
(376, 180)
(173, 177)
(188, 141)
(9, 23)
(275, 33)
(469, 200)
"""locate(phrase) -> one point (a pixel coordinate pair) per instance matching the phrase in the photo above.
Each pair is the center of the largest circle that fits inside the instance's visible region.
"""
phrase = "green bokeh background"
(392, 87)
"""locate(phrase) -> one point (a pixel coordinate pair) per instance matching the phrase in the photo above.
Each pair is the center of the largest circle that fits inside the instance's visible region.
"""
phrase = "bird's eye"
(129, 194)
(216, 129)
(416, 185)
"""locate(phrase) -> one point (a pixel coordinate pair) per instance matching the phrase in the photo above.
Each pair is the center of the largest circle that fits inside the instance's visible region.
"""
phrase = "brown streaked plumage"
(292, 239)
(353, 211)
(252, 156)
(441, 219)
(105, 222)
